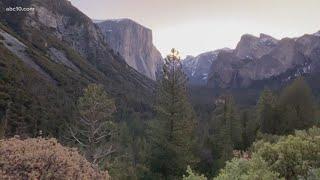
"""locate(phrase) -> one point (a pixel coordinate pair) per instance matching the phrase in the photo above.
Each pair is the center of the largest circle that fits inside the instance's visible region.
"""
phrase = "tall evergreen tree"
(297, 101)
(267, 115)
(228, 130)
(172, 132)
(245, 120)
(95, 130)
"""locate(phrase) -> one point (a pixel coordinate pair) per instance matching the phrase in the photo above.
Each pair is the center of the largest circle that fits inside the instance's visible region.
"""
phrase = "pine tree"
(95, 130)
(228, 127)
(172, 131)
(245, 120)
(266, 110)
(297, 101)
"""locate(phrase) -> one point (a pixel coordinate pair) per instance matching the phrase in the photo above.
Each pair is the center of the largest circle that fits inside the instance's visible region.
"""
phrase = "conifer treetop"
(174, 55)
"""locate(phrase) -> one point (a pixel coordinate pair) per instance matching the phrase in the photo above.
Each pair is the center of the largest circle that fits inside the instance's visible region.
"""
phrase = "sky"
(197, 26)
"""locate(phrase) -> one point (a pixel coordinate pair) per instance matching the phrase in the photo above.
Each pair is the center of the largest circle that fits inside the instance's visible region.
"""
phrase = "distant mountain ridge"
(197, 68)
(262, 58)
(256, 59)
(255, 47)
(135, 43)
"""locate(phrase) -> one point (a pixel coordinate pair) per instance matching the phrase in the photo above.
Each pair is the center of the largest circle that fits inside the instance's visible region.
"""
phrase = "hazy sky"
(197, 26)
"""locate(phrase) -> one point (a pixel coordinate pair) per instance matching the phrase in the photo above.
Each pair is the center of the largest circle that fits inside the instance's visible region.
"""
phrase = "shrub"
(38, 158)
(243, 169)
(193, 176)
(290, 157)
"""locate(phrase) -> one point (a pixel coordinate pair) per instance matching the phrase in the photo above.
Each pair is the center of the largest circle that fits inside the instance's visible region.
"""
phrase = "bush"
(253, 169)
(192, 176)
(39, 158)
(290, 157)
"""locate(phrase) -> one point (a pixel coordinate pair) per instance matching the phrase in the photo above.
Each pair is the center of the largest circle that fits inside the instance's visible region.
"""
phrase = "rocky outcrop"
(19, 49)
(197, 68)
(134, 42)
(261, 58)
(69, 25)
(60, 57)
(252, 47)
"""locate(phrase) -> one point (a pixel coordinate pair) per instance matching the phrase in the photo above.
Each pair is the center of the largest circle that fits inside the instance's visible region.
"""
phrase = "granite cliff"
(134, 42)
(262, 58)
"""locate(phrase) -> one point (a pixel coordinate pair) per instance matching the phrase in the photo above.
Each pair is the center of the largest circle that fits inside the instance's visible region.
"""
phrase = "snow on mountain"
(317, 34)
(197, 67)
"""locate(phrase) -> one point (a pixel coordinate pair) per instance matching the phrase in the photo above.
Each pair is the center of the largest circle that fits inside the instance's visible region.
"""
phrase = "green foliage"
(298, 105)
(249, 126)
(172, 132)
(314, 174)
(292, 156)
(28, 103)
(268, 114)
(243, 169)
(225, 131)
(294, 109)
(192, 176)
(130, 162)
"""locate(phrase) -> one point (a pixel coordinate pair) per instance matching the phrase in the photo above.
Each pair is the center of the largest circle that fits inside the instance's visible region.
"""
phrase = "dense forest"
(72, 108)
(222, 141)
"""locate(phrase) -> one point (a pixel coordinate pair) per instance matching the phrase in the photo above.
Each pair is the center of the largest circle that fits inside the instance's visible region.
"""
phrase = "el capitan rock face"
(134, 42)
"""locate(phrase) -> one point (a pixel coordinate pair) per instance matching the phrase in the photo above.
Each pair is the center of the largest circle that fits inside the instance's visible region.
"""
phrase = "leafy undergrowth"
(294, 156)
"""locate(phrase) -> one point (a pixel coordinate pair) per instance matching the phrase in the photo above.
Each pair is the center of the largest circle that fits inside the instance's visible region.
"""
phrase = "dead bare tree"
(95, 130)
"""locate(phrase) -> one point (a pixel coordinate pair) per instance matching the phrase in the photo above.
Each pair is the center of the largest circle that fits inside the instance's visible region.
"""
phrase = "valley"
(110, 105)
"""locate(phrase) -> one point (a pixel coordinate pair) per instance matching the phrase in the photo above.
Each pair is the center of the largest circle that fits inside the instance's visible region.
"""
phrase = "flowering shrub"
(38, 158)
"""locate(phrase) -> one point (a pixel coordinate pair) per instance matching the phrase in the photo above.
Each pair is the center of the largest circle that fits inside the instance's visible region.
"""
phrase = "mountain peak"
(317, 34)
(247, 37)
(252, 47)
(250, 37)
(122, 21)
(266, 36)
(134, 42)
(262, 35)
